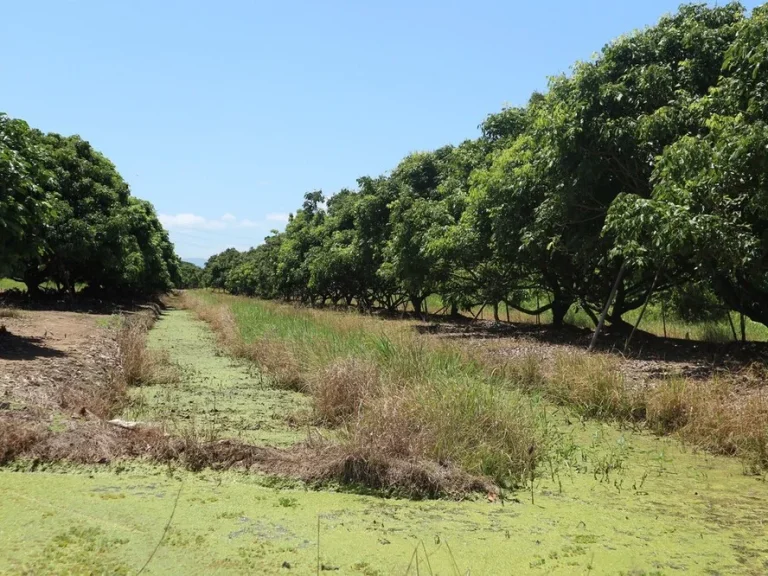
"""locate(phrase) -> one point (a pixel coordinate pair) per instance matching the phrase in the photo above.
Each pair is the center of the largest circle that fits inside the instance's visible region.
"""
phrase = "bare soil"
(56, 388)
(45, 355)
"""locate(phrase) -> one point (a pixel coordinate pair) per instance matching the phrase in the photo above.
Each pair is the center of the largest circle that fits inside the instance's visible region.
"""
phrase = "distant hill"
(196, 261)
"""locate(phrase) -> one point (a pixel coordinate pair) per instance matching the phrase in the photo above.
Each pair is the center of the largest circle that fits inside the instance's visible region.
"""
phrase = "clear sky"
(224, 113)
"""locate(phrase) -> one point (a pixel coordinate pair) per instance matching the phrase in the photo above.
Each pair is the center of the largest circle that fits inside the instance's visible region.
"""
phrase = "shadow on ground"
(13, 347)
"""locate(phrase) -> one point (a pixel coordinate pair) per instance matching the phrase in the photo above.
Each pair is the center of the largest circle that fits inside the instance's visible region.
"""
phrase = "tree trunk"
(559, 310)
(32, 281)
(454, 310)
(608, 302)
(744, 297)
(496, 312)
(416, 301)
(733, 328)
(642, 312)
(538, 306)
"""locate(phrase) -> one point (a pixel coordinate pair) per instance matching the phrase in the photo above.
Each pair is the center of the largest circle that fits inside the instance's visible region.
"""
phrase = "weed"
(287, 502)
(715, 416)
(16, 437)
(137, 364)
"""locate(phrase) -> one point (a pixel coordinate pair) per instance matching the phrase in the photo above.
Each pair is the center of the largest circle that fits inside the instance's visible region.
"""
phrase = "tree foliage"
(67, 216)
(651, 159)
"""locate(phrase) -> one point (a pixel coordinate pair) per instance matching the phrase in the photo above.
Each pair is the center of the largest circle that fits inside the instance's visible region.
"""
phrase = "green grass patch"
(8, 284)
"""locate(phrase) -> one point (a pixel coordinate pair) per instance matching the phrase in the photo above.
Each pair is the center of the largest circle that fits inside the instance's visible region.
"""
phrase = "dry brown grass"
(341, 390)
(726, 414)
(16, 437)
(715, 415)
(138, 365)
(592, 384)
(669, 405)
(278, 359)
(595, 385)
(408, 478)
(6, 312)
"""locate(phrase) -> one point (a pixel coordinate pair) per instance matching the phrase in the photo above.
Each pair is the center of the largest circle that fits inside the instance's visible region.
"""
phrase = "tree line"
(645, 169)
(67, 218)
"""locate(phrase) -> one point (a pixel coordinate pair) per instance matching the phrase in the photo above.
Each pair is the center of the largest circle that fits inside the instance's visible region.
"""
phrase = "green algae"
(218, 396)
(605, 501)
(663, 511)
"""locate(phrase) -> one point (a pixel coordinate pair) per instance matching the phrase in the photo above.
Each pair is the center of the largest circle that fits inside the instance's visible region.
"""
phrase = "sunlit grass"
(8, 284)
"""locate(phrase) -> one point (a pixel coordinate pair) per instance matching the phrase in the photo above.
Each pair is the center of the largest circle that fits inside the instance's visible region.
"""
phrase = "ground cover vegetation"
(68, 220)
(644, 169)
(595, 499)
(411, 415)
(402, 399)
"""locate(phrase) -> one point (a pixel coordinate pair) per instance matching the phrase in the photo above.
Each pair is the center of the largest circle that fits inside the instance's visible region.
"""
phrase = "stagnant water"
(659, 509)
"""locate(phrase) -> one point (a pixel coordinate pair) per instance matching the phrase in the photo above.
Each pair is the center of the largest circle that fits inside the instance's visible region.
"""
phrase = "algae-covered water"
(218, 395)
(617, 503)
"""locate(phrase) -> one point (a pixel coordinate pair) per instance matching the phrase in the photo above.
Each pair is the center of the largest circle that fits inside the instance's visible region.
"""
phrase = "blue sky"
(223, 114)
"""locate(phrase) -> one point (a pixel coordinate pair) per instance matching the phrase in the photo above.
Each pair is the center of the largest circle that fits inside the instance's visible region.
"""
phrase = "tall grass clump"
(343, 389)
(592, 384)
(406, 406)
(138, 365)
(713, 415)
(596, 386)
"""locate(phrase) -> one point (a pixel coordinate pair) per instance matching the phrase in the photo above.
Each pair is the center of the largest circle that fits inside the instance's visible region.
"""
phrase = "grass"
(715, 415)
(407, 396)
(137, 364)
(410, 409)
(8, 284)
(721, 414)
(6, 312)
(606, 501)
